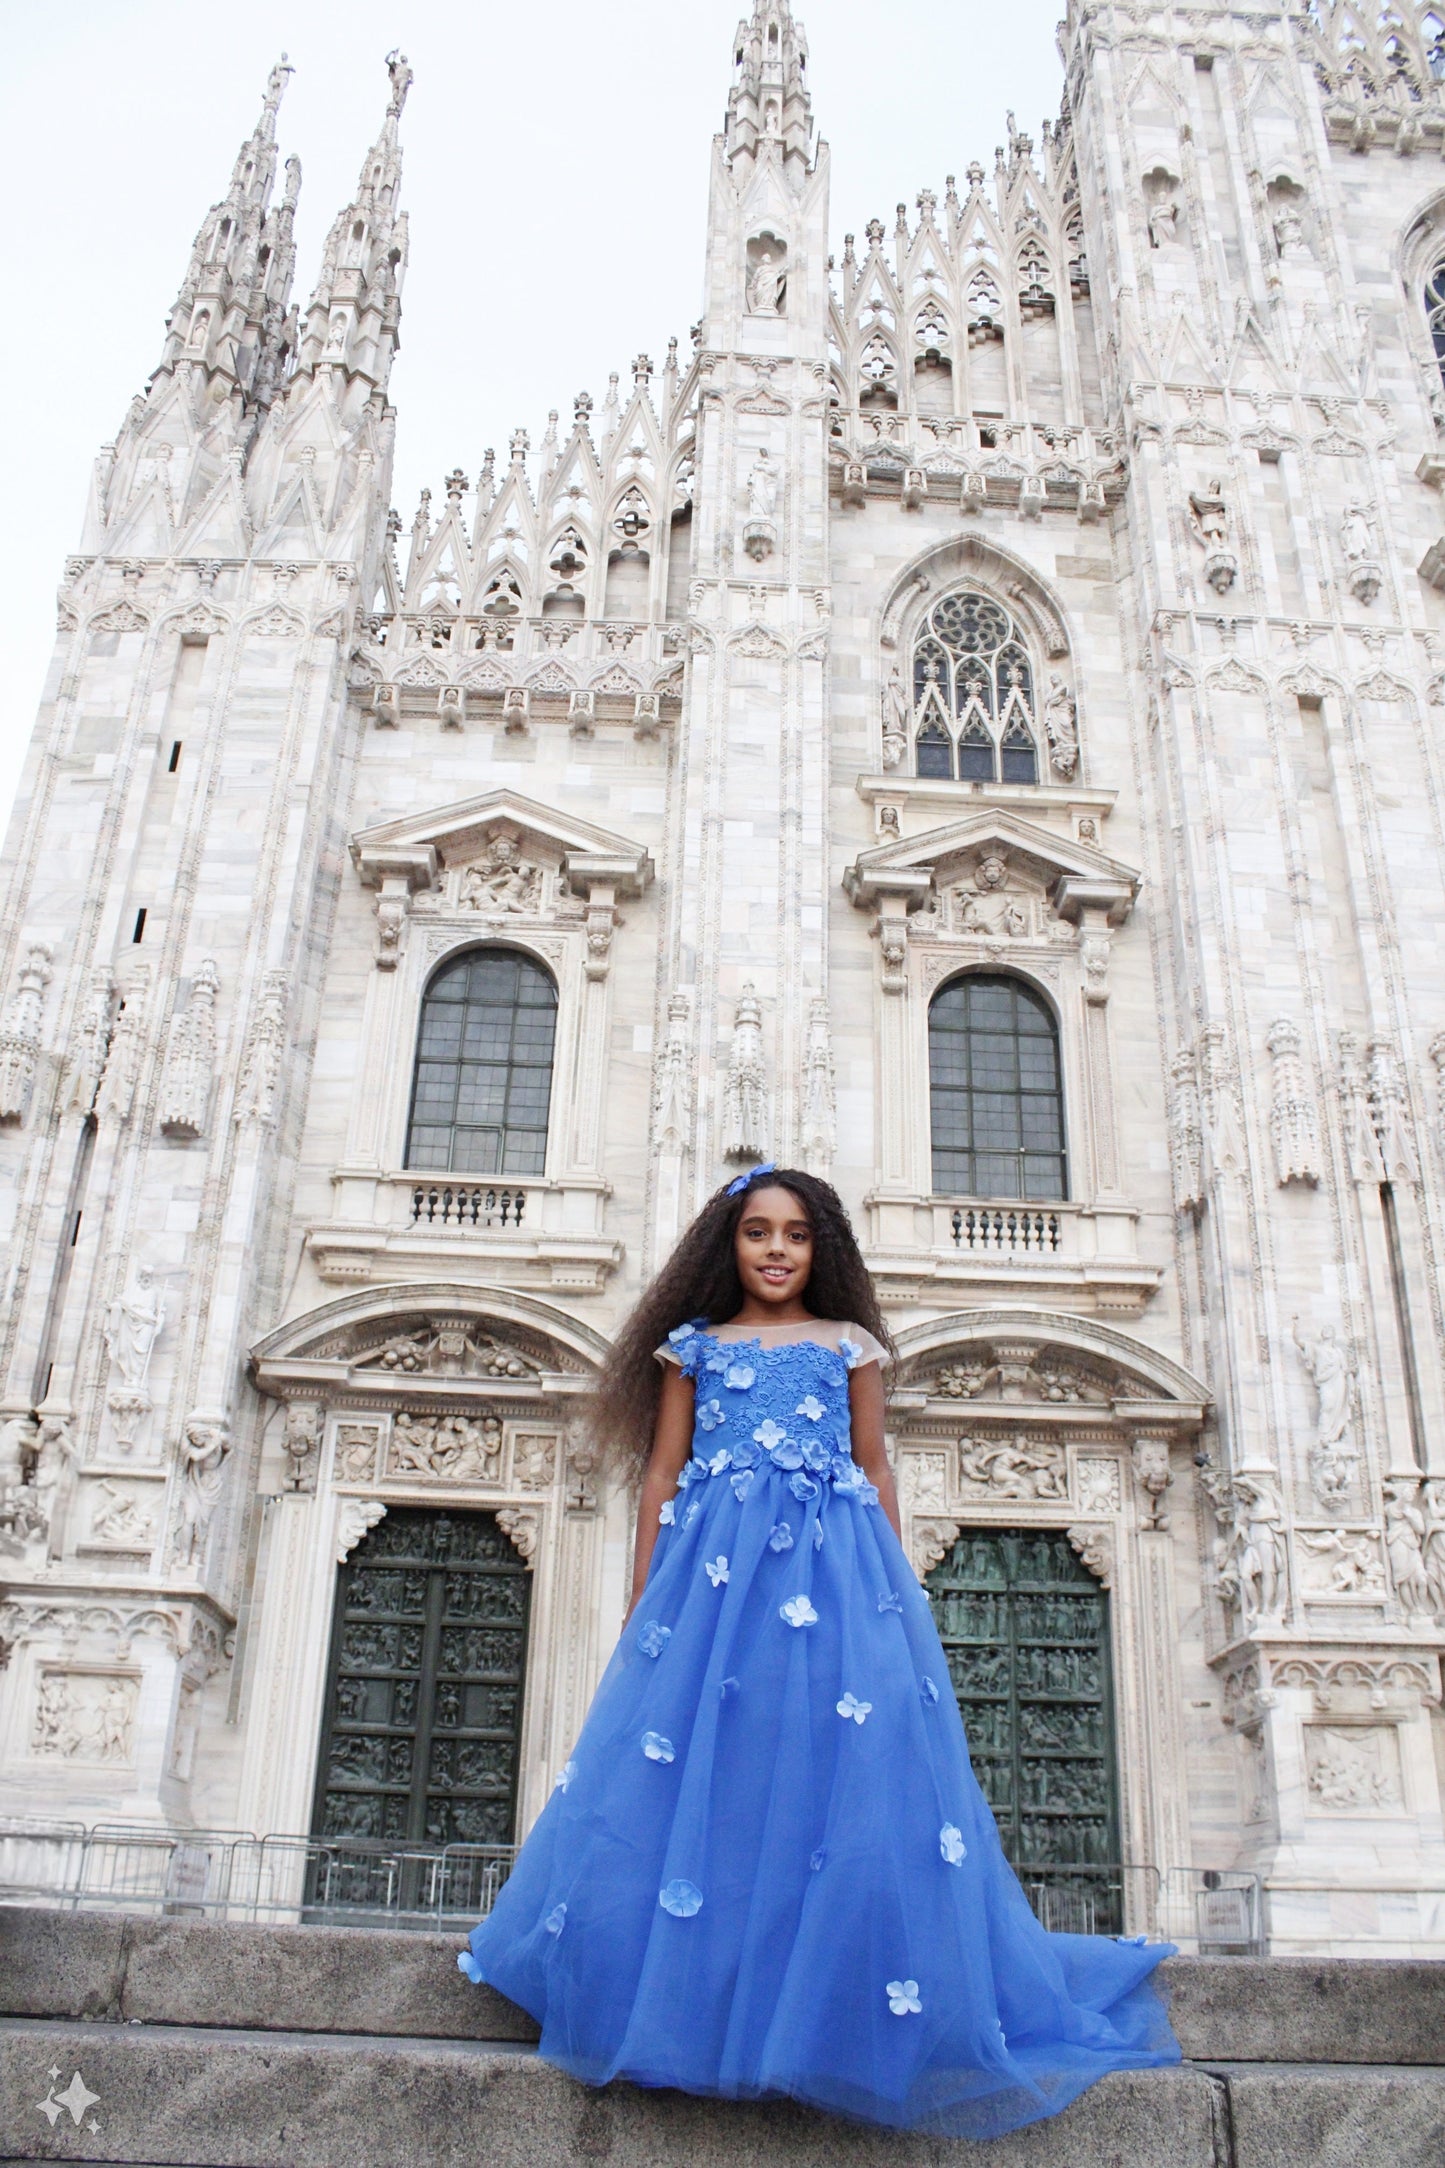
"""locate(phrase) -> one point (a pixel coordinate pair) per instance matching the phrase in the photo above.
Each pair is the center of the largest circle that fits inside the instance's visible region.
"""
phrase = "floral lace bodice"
(782, 1409)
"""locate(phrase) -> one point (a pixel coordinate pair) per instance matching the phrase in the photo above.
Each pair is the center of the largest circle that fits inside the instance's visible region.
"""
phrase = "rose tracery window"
(973, 694)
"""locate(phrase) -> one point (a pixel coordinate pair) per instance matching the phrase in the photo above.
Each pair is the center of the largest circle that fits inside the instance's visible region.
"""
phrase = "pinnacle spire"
(229, 318)
(352, 317)
(768, 102)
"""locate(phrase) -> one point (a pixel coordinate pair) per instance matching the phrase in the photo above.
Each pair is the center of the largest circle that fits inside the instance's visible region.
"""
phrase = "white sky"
(556, 166)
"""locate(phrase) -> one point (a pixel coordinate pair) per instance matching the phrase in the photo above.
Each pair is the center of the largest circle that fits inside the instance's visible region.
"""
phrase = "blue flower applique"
(742, 1483)
(716, 1569)
(680, 1898)
(1133, 1942)
(812, 1407)
(851, 1353)
(656, 1748)
(890, 1600)
(739, 1376)
(781, 1538)
(798, 1612)
(727, 1689)
(769, 1435)
(681, 1334)
(666, 1513)
(951, 1845)
(692, 1513)
(710, 1413)
(927, 1689)
(556, 1920)
(817, 1454)
(851, 1706)
(744, 1454)
(565, 1775)
(903, 1998)
(717, 1358)
(802, 1487)
(653, 1638)
(467, 1963)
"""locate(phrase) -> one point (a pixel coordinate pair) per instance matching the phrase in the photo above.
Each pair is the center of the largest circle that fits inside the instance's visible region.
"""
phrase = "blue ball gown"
(767, 1868)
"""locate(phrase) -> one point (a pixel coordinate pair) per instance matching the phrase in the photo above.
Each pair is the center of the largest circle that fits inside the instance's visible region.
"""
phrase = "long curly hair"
(700, 1280)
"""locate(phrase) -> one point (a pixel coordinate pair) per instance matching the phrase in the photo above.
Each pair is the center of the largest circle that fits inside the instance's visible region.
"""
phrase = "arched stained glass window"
(484, 1066)
(1435, 312)
(996, 1092)
(974, 713)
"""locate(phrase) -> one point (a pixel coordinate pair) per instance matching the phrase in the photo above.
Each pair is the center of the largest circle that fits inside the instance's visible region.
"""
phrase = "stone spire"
(351, 320)
(229, 318)
(768, 101)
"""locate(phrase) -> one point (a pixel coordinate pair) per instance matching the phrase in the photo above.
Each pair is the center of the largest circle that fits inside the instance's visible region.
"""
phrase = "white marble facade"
(641, 704)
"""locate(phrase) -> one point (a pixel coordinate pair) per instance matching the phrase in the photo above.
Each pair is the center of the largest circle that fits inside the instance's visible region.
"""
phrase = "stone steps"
(215, 2046)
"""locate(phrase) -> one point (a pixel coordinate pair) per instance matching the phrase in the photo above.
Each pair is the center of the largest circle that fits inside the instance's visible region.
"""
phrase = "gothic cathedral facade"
(971, 727)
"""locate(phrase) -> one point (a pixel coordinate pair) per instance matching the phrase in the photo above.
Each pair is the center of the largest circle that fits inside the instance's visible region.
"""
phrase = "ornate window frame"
(979, 568)
(494, 870)
(1420, 256)
(998, 893)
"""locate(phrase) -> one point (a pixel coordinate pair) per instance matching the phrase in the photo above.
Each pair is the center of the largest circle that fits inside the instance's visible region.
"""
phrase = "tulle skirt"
(768, 1869)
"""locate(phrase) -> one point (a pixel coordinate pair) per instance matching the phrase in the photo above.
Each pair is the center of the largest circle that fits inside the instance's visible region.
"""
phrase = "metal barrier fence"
(356, 1882)
(231, 1875)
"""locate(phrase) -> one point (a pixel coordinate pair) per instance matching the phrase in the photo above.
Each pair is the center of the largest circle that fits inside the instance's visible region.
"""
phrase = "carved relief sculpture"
(1344, 1562)
(1390, 1112)
(1293, 1127)
(1334, 1370)
(132, 1324)
(191, 1060)
(91, 1043)
(1151, 1472)
(1353, 1770)
(1186, 1134)
(85, 1716)
(1249, 1558)
(1362, 1146)
(300, 1442)
(20, 1033)
(1357, 546)
(501, 880)
(115, 1094)
(1406, 1532)
(760, 531)
(447, 1448)
(745, 1100)
(1011, 1468)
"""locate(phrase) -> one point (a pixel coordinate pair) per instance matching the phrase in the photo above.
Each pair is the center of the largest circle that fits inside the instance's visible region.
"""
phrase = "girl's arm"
(865, 1400)
(671, 1445)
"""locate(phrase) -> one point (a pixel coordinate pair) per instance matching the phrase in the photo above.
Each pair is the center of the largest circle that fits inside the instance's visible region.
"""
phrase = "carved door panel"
(1025, 1627)
(422, 1731)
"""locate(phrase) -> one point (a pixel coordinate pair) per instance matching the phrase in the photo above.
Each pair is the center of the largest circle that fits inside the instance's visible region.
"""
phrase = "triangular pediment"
(1074, 873)
(455, 834)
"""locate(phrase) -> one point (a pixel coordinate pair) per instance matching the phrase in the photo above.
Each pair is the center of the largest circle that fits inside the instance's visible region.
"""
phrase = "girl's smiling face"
(774, 1250)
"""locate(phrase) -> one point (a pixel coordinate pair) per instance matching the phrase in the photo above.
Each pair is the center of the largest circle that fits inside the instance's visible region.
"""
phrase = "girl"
(767, 1868)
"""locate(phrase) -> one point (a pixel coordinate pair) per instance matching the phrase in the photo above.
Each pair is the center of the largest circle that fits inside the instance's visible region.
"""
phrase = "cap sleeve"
(667, 1353)
(859, 1348)
(683, 1347)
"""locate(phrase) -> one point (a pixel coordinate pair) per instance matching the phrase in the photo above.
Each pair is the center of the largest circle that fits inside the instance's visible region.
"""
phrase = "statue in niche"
(1289, 233)
(132, 1326)
(1164, 222)
(203, 1461)
(762, 489)
(1015, 921)
(501, 880)
(1406, 1532)
(767, 285)
(1062, 726)
(1209, 515)
(1333, 1370)
(1356, 541)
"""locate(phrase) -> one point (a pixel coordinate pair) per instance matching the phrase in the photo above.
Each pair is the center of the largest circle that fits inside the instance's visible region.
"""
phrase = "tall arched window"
(484, 1066)
(1435, 311)
(996, 1092)
(973, 694)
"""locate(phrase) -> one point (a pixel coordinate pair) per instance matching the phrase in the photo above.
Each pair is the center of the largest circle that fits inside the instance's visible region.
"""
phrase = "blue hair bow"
(735, 1189)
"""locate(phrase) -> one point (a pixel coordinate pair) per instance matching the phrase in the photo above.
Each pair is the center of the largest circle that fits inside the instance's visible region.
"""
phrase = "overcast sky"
(556, 163)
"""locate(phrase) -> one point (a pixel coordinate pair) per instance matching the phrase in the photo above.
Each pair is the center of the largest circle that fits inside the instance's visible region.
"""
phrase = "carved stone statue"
(1356, 541)
(762, 488)
(53, 1455)
(1334, 1456)
(895, 719)
(1061, 725)
(1209, 515)
(1289, 233)
(401, 80)
(203, 1457)
(767, 286)
(1405, 1535)
(133, 1324)
(1164, 222)
(1434, 1546)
